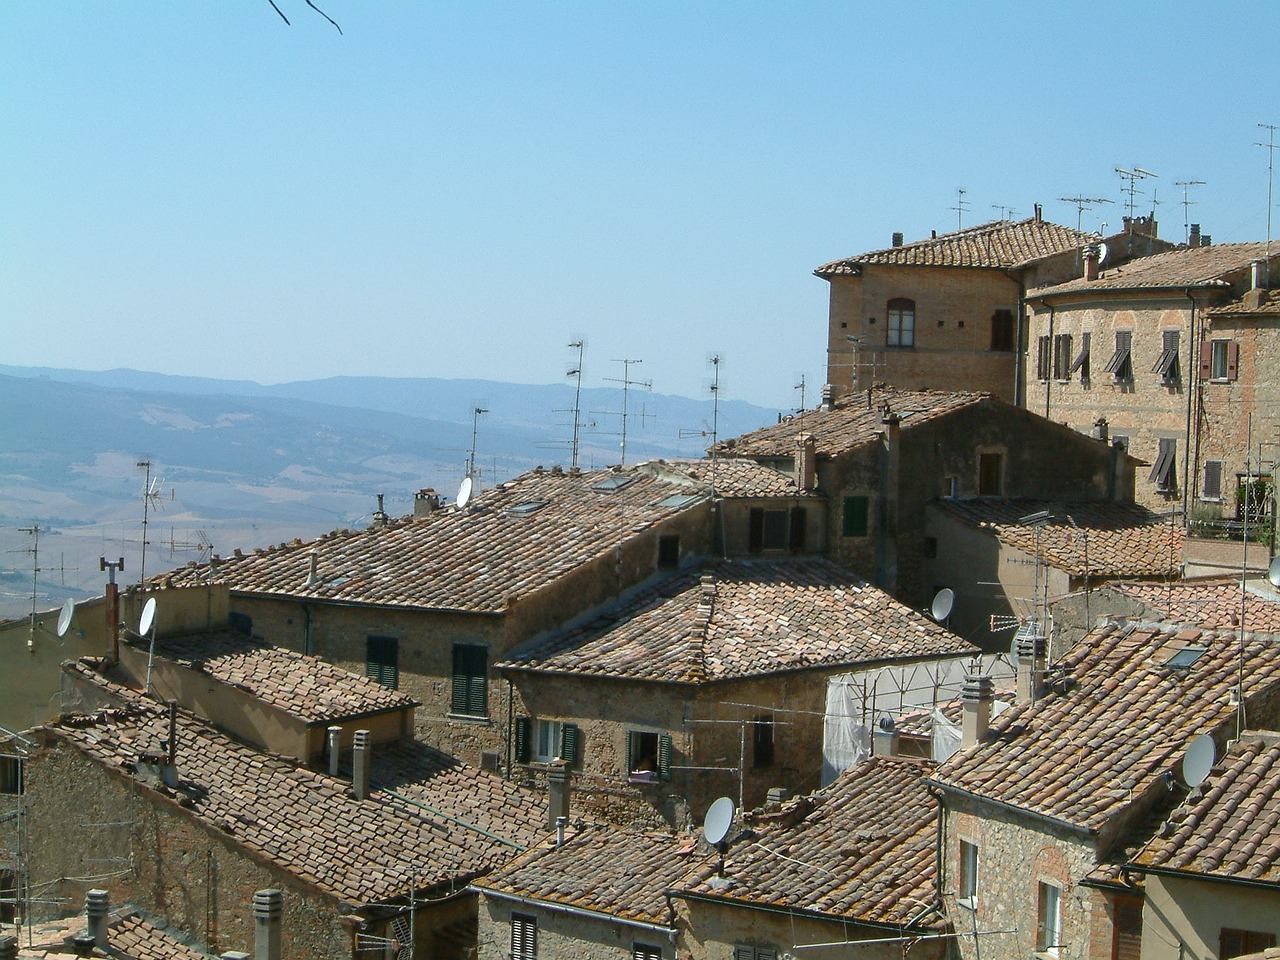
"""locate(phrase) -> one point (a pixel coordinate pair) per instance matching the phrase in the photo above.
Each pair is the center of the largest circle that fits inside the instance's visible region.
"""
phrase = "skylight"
(526, 508)
(1185, 657)
(678, 500)
(615, 481)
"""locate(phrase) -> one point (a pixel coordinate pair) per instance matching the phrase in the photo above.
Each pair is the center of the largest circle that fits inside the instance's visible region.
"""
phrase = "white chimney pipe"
(268, 908)
(97, 905)
(360, 765)
(335, 745)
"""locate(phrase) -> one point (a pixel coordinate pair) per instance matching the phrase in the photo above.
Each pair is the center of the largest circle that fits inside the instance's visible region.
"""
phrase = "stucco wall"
(1184, 918)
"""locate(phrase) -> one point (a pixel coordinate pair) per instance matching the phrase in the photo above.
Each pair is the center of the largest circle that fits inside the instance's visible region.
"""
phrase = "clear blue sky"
(461, 188)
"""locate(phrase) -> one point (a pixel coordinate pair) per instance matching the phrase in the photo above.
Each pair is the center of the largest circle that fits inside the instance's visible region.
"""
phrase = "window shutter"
(1206, 359)
(1212, 488)
(524, 937)
(755, 530)
(744, 953)
(664, 755)
(569, 738)
(524, 730)
(797, 529)
(856, 511)
(1233, 359)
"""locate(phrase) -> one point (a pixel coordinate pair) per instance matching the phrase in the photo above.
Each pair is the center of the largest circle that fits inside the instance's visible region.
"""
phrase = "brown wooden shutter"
(1233, 359)
(1206, 359)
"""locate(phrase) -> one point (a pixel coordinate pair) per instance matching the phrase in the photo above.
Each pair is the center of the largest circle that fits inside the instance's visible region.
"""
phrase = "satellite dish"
(719, 818)
(1198, 760)
(1273, 573)
(1013, 653)
(64, 618)
(148, 617)
(464, 493)
(1102, 253)
(943, 601)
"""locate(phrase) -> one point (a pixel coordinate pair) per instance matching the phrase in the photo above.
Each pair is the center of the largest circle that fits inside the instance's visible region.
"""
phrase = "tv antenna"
(475, 427)
(1133, 176)
(1006, 213)
(627, 384)
(152, 499)
(576, 373)
(1187, 204)
(960, 207)
(202, 545)
(1270, 146)
(801, 387)
(1082, 204)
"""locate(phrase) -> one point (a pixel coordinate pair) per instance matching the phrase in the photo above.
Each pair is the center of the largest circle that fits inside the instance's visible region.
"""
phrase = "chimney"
(557, 793)
(335, 746)
(828, 396)
(897, 239)
(379, 515)
(1206, 240)
(1194, 240)
(1091, 261)
(360, 765)
(1039, 213)
(97, 905)
(8, 948)
(884, 738)
(975, 700)
(425, 501)
(1032, 648)
(806, 462)
(561, 823)
(313, 572)
(1101, 429)
(268, 906)
(706, 592)
(1257, 270)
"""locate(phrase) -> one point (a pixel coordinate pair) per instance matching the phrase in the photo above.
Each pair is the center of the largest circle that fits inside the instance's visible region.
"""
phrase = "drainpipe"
(1020, 341)
(1193, 389)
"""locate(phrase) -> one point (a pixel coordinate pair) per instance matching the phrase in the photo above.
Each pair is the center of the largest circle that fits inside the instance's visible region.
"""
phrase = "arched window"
(901, 330)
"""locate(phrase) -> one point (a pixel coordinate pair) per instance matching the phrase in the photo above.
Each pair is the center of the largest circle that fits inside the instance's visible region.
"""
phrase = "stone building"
(710, 683)
(878, 458)
(1042, 809)
(1014, 559)
(946, 313)
(190, 823)
(1120, 350)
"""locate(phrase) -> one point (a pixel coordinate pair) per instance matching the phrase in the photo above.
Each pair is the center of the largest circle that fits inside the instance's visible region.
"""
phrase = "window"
(969, 874)
(855, 521)
(382, 660)
(743, 952)
(1121, 441)
(1120, 365)
(679, 500)
(776, 529)
(799, 524)
(526, 508)
(11, 775)
(645, 951)
(470, 680)
(901, 328)
(1044, 358)
(1167, 363)
(1062, 357)
(1049, 919)
(524, 937)
(544, 741)
(1081, 362)
(989, 469)
(1219, 360)
(613, 482)
(648, 755)
(1236, 943)
(1165, 472)
(1126, 941)
(1002, 330)
(762, 741)
(240, 623)
(1211, 488)
(1184, 658)
(668, 552)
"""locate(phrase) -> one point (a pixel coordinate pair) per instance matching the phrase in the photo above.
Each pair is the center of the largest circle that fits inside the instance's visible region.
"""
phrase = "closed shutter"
(470, 680)
(524, 737)
(1212, 487)
(755, 530)
(570, 736)
(1206, 359)
(798, 524)
(664, 756)
(524, 937)
(382, 660)
(1233, 359)
(856, 511)
(1044, 358)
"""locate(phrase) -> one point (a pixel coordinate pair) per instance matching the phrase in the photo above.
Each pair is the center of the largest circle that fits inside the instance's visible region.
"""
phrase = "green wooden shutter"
(524, 728)
(664, 755)
(569, 737)
(470, 680)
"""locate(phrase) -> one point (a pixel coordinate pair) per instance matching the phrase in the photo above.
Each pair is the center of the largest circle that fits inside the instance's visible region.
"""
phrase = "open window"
(1120, 366)
(1166, 366)
(968, 875)
(545, 741)
(1081, 361)
(1049, 918)
(1219, 360)
(1165, 472)
(648, 756)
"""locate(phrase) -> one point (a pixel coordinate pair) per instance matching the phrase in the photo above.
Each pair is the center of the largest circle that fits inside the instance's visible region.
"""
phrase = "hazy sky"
(461, 188)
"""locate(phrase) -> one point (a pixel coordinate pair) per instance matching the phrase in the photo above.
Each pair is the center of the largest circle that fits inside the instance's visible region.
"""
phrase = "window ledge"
(470, 718)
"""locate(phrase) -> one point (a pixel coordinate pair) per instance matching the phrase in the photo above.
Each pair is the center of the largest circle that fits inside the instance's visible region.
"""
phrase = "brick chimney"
(1091, 261)
(1194, 239)
(806, 462)
(380, 516)
(975, 701)
(360, 765)
(1256, 295)
(828, 396)
(268, 908)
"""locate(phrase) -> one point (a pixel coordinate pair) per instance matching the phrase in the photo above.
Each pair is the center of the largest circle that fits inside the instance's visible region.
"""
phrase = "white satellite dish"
(148, 617)
(1013, 653)
(943, 601)
(1198, 760)
(64, 618)
(464, 493)
(719, 818)
(1273, 572)
(1102, 253)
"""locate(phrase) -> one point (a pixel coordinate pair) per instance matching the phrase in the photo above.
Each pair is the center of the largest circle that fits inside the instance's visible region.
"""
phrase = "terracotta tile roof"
(1214, 604)
(361, 851)
(1085, 755)
(1177, 269)
(130, 936)
(307, 688)
(862, 849)
(1001, 244)
(510, 541)
(753, 618)
(1263, 305)
(851, 422)
(606, 869)
(1230, 827)
(1106, 538)
(737, 478)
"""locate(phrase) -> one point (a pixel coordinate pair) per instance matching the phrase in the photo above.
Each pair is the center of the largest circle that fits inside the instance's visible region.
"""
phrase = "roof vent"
(828, 396)
(897, 239)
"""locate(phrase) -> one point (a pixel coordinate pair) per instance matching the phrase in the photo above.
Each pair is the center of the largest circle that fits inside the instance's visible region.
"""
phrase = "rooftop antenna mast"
(801, 387)
(1270, 146)
(475, 427)
(151, 499)
(627, 384)
(1187, 204)
(1133, 176)
(1082, 204)
(1006, 213)
(576, 373)
(960, 207)
(34, 532)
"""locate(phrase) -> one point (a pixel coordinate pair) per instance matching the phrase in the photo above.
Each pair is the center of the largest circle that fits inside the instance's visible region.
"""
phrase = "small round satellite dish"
(1102, 253)
(148, 617)
(943, 601)
(1198, 760)
(1273, 572)
(719, 818)
(64, 618)
(464, 492)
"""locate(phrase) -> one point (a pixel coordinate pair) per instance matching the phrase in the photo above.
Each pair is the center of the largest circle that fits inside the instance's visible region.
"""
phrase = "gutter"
(900, 928)
(583, 912)
(1084, 833)
(1270, 885)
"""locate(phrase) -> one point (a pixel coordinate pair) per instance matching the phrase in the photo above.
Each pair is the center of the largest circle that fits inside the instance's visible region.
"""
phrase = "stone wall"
(564, 935)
